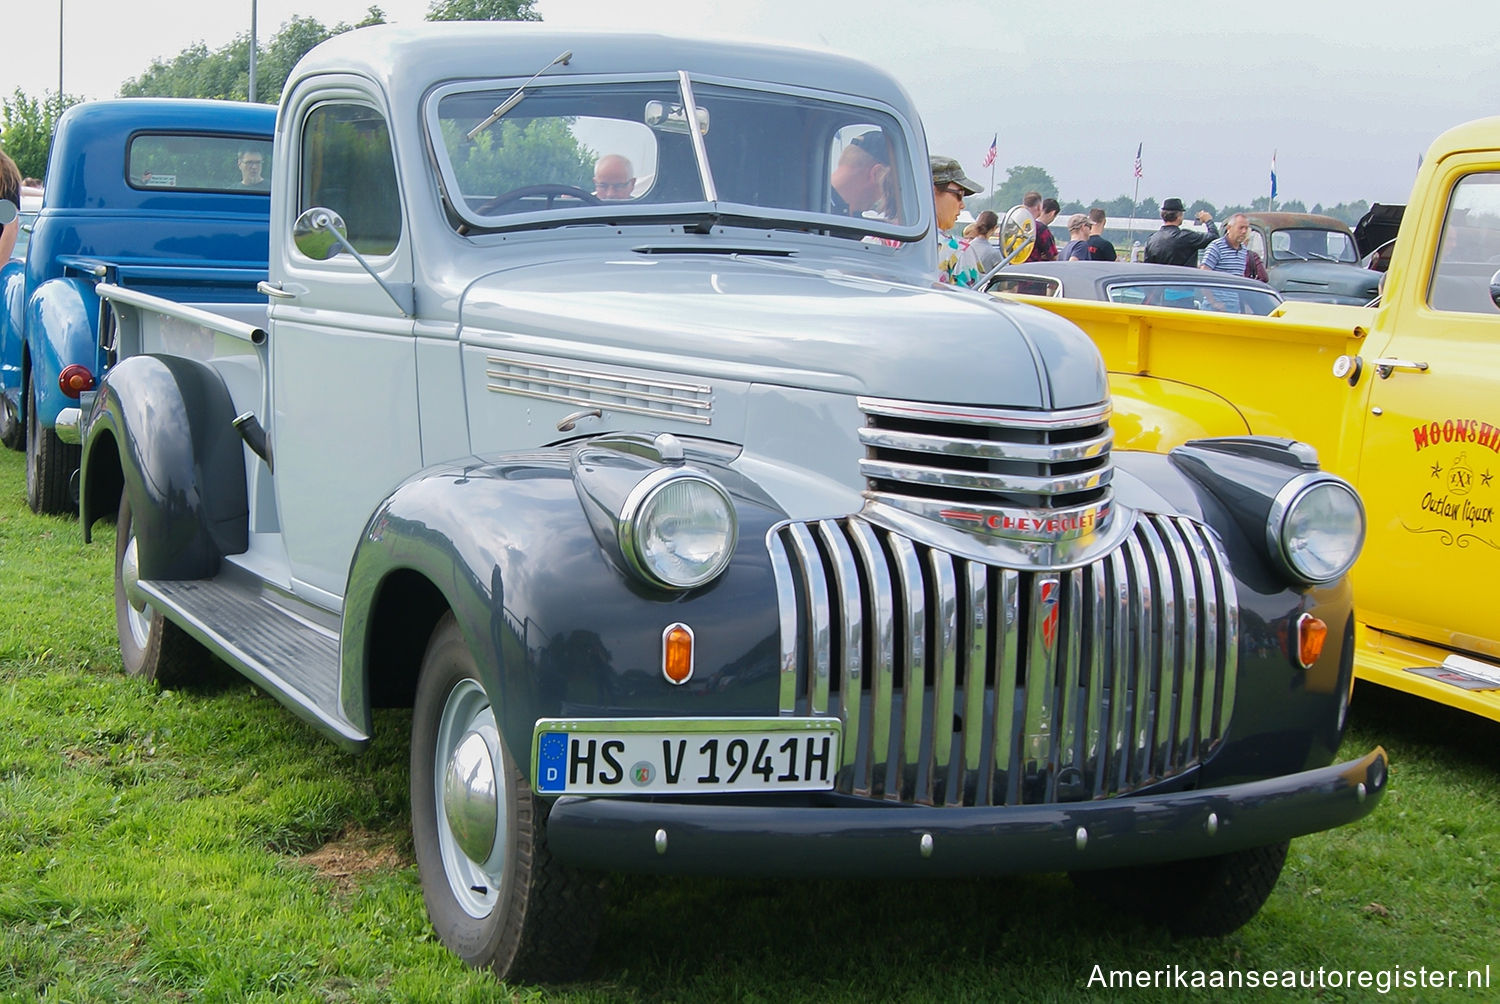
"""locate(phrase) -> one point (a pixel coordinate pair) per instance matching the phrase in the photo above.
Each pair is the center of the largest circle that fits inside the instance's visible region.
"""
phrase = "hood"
(761, 320)
(1325, 280)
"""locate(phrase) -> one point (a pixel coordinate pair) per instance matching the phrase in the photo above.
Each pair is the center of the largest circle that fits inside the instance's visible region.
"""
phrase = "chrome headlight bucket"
(678, 528)
(1315, 528)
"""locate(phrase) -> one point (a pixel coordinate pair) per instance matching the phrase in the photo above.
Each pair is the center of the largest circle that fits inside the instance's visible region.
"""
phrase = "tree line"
(1025, 178)
(27, 122)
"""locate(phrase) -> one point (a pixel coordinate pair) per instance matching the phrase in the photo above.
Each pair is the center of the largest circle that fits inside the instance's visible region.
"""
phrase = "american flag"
(1138, 158)
(989, 158)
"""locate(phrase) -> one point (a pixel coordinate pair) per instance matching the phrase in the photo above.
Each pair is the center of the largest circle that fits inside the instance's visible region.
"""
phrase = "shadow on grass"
(1406, 724)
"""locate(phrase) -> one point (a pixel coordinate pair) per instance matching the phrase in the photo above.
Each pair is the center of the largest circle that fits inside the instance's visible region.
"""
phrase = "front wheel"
(1201, 897)
(494, 894)
(151, 646)
(50, 464)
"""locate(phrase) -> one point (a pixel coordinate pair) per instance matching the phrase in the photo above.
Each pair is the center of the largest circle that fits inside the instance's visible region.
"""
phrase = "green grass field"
(204, 845)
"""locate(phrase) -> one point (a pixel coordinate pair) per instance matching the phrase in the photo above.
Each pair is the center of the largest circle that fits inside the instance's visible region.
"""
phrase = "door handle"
(273, 289)
(1385, 367)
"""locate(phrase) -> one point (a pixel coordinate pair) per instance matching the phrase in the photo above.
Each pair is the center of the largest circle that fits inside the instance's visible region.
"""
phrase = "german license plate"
(669, 755)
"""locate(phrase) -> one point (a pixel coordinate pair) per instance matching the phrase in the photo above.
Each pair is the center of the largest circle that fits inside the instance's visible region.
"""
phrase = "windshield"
(622, 151)
(1196, 296)
(1303, 244)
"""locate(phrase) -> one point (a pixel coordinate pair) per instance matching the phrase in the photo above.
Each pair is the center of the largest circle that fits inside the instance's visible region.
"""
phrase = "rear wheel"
(494, 894)
(50, 464)
(1201, 897)
(150, 645)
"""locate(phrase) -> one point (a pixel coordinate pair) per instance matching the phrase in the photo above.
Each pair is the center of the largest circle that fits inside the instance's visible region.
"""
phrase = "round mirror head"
(314, 233)
(8, 211)
(1017, 234)
(1495, 288)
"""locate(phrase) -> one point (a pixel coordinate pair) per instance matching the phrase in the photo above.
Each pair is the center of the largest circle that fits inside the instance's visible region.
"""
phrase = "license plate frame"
(700, 755)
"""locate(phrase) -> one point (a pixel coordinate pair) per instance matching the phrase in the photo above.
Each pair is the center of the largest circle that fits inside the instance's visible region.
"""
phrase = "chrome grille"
(986, 456)
(963, 683)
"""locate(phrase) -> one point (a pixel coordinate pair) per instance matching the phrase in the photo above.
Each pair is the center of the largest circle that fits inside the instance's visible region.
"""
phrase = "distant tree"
(1122, 206)
(482, 10)
(1201, 205)
(26, 127)
(198, 72)
(1018, 181)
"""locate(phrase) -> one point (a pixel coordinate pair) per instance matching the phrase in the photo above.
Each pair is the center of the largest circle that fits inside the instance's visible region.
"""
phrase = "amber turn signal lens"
(677, 653)
(74, 380)
(1311, 633)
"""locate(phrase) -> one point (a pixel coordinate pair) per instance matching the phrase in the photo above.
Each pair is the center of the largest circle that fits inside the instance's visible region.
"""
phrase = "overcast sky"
(1347, 92)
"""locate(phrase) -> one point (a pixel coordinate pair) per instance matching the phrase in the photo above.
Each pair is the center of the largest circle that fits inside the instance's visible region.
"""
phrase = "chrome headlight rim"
(1282, 507)
(629, 526)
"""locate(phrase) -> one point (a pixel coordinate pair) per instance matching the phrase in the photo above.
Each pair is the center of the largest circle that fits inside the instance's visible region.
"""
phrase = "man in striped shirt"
(1227, 254)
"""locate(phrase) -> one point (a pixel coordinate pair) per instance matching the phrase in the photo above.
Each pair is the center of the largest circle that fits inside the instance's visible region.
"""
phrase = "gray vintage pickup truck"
(700, 529)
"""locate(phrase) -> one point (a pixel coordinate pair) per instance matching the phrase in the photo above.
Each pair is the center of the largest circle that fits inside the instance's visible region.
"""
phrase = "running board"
(272, 638)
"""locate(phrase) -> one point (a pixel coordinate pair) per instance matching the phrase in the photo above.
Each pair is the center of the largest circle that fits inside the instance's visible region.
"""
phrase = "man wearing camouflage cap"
(956, 264)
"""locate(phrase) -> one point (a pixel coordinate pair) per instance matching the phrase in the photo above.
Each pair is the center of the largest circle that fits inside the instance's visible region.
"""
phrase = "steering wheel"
(552, 192)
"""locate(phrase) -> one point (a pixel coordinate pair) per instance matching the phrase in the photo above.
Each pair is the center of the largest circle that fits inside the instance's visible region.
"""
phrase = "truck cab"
(698, 526)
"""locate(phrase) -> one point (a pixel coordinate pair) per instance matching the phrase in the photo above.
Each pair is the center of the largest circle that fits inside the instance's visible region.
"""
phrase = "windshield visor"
(623, 151)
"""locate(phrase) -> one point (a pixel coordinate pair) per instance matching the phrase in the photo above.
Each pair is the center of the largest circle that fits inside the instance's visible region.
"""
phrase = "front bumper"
(630, 835)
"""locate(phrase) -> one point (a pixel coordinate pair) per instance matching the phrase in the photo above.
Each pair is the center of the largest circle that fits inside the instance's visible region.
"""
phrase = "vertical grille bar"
(912, 655)
(883, 656)
(1007, 676)
(944, 673)
(1070, 628)
(850, 609)
(1095, 745)
(1185, 745)
(1143, 620)
(974, 641)
(1121, 690)
(1038, 751)
(786, 602)
(819, 635)
(1166, 687)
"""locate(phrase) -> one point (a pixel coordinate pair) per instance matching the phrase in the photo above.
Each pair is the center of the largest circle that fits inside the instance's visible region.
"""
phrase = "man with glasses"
(957, 265)
(614, 178)
(252, 164)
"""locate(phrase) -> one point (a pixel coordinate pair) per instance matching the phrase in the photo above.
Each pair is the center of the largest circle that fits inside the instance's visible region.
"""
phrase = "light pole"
(59, 54)
(252, 51)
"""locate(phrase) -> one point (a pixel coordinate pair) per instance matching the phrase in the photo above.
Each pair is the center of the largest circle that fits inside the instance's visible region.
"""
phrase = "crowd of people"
(964, 257)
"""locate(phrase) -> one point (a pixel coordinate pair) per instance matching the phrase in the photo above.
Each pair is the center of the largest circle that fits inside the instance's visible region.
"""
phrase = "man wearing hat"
(956, 263)
(862, 181)
(1172, 245)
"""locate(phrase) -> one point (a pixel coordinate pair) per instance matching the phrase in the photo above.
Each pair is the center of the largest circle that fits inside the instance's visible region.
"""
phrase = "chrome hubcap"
(472, 799)
(130, 574)
(469, 797)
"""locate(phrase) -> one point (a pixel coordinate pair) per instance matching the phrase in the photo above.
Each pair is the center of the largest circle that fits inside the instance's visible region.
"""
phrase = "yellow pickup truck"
(1402, 398)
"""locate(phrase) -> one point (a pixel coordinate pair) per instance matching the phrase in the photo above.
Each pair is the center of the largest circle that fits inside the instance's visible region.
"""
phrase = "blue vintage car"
(159, 195)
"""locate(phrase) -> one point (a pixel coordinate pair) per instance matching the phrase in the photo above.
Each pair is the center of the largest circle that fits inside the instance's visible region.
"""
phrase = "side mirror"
(1495, 288)
(8, 211)
(321, 233)
(1017, 235)
(317, 233)
(665, 117)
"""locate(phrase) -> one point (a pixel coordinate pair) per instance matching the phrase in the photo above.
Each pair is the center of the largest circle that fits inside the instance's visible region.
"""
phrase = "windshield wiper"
(516, 96)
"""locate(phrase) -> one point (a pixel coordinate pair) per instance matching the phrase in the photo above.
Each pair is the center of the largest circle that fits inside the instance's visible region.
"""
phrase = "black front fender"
(162, 431)
(557, 626)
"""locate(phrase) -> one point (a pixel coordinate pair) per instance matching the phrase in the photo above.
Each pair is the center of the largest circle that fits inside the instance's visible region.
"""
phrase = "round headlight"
(678, 529)
(1316, 528)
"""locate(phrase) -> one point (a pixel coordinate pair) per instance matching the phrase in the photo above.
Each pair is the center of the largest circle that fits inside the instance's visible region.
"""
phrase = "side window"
(1469, 251)
(347, 166)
